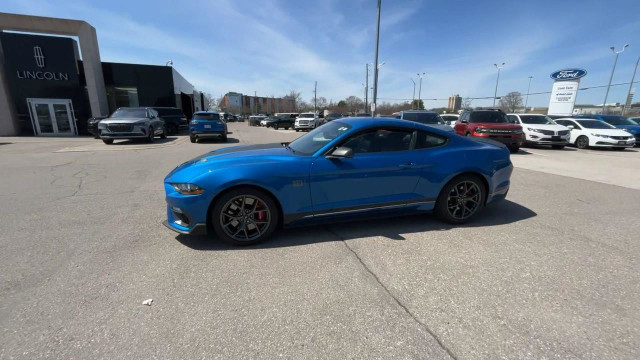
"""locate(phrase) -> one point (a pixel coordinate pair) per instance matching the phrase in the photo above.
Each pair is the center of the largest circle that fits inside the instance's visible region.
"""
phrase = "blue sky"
(273, 46)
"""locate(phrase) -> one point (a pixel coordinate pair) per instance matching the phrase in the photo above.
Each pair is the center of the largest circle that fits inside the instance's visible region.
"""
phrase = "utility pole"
(420, 91)
(630, 86)
(606, 95)
(527, 99)
(413, 100)
(315, 98)
(495, 93)
(375, 66)
(255, 102)
(366, 88)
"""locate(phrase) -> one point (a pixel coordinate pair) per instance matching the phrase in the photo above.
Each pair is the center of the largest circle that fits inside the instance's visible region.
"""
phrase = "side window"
(427, 140)
(465, 117)
(380, 140)
(513, 119)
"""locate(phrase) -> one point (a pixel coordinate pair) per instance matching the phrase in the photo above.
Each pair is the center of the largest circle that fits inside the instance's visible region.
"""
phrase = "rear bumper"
(207, 134)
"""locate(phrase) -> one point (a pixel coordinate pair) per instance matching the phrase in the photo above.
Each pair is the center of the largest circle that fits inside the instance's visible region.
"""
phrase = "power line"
(491, 97)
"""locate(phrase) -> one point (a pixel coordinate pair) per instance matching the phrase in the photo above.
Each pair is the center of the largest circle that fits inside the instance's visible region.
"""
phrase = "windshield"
(206, 117)
(305, 116)
(488, 117)
(536, 119)
(594, 124)
(129, 113)
(423, 118)
(618, 120)
(313, 141)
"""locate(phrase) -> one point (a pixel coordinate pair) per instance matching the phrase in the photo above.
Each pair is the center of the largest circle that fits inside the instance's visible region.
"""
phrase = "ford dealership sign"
(569, 74)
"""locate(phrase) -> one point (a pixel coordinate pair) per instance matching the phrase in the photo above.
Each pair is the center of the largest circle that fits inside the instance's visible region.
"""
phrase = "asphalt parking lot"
(552, 272)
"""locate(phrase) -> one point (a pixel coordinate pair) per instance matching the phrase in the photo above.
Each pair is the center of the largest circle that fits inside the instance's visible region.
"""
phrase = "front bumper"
(130, 135)
(310, 125)
(509, 140)
(186, 214)
(614, 143)
(540, 139)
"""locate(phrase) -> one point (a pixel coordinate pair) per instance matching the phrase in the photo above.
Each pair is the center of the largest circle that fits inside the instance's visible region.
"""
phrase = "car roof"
(419, 111)
(206, 112)
(362, 122)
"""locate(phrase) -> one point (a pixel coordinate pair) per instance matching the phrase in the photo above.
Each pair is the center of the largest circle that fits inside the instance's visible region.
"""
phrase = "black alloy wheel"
(461, 199)
(582, 142)
(244, 216)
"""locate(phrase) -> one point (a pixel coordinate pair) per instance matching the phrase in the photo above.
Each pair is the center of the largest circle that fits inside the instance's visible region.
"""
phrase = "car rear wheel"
(224, 137)
(244, 216)
(107, 141)
(461, 199)
(582, 142)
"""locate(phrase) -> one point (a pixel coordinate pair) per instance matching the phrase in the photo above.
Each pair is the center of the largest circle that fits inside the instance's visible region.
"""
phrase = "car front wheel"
(151, 137)
(461, 199)
(582, 142)
(244, 216)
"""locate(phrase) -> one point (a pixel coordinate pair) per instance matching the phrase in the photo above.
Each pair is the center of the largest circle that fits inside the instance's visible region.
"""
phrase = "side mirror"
(570, 127)
(341, 152)
(464, 121)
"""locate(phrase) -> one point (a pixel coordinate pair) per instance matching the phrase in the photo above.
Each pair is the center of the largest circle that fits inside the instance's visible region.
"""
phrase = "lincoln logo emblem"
(37, 54)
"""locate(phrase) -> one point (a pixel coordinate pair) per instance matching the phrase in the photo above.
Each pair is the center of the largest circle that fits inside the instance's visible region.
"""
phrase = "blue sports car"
(345, 169)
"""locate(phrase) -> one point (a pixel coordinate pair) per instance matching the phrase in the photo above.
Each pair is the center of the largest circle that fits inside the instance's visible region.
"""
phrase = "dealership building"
(51, 83)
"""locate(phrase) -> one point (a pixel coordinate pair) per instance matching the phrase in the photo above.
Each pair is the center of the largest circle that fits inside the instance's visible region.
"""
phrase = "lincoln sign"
(42, 75)
(564, 91)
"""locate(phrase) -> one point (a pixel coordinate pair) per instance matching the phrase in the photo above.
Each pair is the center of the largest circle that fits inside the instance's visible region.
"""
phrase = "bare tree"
(210, 101)
(321, 102)
(353, 104)
(466, 103)
(511, 102)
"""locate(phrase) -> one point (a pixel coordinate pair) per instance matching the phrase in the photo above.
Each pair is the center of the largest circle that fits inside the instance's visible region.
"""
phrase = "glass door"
(51, 117)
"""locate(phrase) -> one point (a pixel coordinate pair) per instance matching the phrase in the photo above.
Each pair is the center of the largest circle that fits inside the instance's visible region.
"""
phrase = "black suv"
(174, 119)
(280, 121)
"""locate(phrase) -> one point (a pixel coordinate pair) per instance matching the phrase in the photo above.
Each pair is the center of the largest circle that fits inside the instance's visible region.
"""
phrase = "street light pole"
(375, 68)
(606, 95)
(315, 98)
(527, 98)
(420, 90)
(366, 89)
(495, 93)
(413, 100)
(630, 86)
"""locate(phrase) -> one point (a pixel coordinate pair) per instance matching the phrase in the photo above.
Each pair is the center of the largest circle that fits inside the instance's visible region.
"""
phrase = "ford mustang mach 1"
(346, 169)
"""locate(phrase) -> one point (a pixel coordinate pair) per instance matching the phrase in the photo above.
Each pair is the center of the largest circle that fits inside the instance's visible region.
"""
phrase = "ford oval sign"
(569, 74)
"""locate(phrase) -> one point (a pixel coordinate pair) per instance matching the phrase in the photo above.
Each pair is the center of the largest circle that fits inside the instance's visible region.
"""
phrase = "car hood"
(498, 125)
(122, 120)
(442, 127)
(228, 157)
(634, 128)
(545, 127)
(611, 132)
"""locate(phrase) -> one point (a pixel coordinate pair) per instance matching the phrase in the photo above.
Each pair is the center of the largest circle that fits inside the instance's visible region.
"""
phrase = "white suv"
(538, 129)
(306, 121)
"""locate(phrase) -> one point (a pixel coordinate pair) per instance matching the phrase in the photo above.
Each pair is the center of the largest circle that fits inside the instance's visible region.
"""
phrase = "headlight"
(534, 130)
(187, 189)
(194, 122)
(600, 135)
(628, 130)
(480, 130)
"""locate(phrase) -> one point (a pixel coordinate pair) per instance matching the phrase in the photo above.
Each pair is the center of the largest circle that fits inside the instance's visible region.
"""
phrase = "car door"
(379, 174)
(462, 124)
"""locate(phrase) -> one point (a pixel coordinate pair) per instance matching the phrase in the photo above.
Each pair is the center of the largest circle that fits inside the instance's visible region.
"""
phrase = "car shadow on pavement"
(501, 213)
(157, 141)
(218, 141)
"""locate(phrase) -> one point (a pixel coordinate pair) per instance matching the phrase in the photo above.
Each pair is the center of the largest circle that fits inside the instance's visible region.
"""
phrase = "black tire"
(297, 130)
(468, 134)
(226, 203)
(618, 148)
(107, 141)
(164, 133)
(286, 128)
(224, 137)
(444, 202)
(582, 142)
(151, 136)
(193, 139)
(276, 127)
(557, 147)
(513, 149)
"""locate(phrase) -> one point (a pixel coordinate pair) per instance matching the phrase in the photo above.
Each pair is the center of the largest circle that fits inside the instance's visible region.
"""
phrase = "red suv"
(492, 124)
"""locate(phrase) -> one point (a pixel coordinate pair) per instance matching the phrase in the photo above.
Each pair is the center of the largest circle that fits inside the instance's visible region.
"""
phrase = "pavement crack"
(395, 299)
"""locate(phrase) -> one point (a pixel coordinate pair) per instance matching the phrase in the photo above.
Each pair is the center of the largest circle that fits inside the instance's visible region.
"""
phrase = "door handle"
(406, 166)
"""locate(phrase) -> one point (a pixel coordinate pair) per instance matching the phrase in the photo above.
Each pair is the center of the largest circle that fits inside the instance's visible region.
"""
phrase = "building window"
(122, 97)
